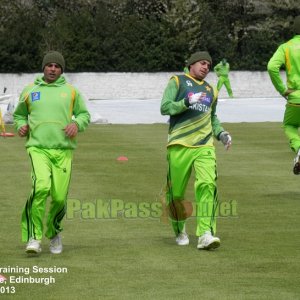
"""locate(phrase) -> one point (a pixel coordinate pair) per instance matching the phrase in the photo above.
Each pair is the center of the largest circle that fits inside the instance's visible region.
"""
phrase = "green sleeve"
(168, 104)
(21, 113)
(276, 61)
(216, 124)
(80, 112)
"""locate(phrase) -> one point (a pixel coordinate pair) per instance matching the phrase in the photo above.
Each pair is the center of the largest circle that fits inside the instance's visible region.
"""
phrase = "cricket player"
(49, 114)
(222, 71)
(288, 55)
(191, 103)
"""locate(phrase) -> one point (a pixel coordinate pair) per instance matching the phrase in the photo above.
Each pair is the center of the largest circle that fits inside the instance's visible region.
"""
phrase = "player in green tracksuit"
(49, 114)
(222, 71)
(191, 103)
(288, 55)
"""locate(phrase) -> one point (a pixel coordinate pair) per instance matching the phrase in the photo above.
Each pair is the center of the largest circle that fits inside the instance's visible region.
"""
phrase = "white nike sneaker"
(182, 239)
(56, 246)
(208, 242)
(33, 246)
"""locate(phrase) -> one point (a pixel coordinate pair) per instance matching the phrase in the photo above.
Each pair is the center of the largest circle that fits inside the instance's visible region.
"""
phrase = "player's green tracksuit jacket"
(221, 69)
(287, 54)
(194, 126)
(48, 108)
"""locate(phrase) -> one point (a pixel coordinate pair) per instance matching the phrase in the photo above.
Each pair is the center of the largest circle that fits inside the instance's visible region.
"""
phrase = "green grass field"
(133, 255)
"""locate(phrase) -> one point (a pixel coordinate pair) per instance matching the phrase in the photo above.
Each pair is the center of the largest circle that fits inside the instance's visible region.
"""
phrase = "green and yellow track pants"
(181, 161)
(51, 173)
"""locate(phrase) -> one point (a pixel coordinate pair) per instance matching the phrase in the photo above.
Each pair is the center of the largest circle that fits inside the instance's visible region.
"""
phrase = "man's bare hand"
(23, 131)
(287, 92)
(71, 130)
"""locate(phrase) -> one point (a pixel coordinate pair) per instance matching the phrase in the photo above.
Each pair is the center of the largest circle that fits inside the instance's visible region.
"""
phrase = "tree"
(142, 35)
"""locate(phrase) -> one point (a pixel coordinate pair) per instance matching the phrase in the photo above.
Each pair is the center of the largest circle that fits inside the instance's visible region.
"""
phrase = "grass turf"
(135, 256)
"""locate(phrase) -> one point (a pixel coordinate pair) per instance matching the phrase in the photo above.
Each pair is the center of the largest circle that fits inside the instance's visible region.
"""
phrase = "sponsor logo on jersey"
(35, 96)
(208, 88)
(189, 83)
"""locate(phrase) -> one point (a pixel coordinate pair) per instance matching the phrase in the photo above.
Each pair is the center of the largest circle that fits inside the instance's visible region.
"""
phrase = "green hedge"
(140, 36)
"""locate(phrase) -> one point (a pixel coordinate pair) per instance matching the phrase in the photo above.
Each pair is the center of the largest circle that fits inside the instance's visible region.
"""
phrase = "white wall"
(144, 85)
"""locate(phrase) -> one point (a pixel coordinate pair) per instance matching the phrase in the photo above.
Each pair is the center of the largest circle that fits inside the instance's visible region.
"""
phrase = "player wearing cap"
(191, 103)
(50, 113)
